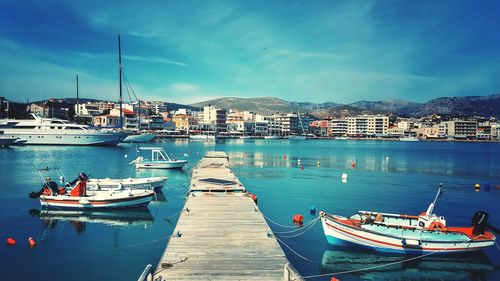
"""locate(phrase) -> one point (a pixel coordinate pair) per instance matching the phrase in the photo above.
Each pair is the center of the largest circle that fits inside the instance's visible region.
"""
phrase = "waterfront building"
(428, 132)
(274, 127)
(320, 128)
(337, 127)
(213, 115)
(106, 121)
(183, 122)
(367, 125)
(460, 129)
(289, 123)
(395, 131)
(88, 109)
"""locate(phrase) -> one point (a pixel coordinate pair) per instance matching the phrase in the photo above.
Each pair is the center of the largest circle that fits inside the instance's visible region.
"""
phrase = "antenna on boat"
(431, 206)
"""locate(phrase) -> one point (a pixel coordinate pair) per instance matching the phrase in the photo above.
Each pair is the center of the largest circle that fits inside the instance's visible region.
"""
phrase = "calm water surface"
(395, 177)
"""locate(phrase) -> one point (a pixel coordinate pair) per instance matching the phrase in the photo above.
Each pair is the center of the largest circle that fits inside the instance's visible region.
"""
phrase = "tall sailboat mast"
(77, 102)
(120, 70)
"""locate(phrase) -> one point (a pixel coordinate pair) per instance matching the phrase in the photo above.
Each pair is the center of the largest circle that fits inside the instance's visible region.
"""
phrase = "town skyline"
(190, 52)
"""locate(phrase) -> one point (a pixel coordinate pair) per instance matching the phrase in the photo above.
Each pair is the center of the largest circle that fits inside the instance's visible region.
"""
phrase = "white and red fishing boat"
(76, 196)
(407, 234)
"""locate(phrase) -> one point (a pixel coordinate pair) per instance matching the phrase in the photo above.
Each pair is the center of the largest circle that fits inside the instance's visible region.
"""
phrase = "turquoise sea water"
(396, 177)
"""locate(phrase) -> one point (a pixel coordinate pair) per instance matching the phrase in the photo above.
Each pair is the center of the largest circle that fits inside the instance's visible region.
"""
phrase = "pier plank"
(223, 235)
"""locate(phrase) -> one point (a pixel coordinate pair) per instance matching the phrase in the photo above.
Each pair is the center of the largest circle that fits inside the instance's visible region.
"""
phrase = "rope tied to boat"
(302, 227)
(307, 228)
(278, 224)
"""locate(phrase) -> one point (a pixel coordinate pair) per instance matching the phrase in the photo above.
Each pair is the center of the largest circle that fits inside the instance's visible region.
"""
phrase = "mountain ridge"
(486, 106)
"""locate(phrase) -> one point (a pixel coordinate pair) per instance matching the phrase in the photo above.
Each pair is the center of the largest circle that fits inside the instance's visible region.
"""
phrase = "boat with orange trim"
(76, 196)
(408, 234)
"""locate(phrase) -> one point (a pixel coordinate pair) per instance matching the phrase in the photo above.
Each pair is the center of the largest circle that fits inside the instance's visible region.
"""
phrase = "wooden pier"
(221, 234)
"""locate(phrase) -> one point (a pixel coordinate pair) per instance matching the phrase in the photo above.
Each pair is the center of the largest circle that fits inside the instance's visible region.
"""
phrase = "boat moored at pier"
(407, 234)
(159, 160)
(54, 131)
(152, 183)
(76, 196)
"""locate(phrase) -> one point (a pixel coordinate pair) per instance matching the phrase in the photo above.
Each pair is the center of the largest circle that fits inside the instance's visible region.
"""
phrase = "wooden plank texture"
(223, 235)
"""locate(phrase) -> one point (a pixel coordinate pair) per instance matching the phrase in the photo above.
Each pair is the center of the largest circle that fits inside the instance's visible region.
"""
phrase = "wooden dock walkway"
(221, 234)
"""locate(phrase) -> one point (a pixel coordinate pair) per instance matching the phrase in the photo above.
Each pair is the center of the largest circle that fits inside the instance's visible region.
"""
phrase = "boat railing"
(147, 274)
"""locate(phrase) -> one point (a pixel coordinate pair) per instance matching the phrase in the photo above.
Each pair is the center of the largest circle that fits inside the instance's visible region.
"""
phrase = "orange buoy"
(334, 279)
(284, 156)
(302, 167)
(298, 218)
(353, 165)
(11, 241)
(254, 197)
(31, 242)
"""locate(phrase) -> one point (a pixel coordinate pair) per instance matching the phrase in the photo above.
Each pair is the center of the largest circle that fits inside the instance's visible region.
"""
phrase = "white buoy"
(387, 158)
(344, 177)
(125, 156)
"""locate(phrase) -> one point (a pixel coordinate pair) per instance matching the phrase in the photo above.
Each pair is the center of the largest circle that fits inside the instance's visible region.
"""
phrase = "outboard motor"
(48, 185)
(81, 177)
(480, 223)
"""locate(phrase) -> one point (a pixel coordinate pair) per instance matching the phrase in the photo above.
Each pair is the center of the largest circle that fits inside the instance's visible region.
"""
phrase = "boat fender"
(334, 279)
(11, 241)
(254, 197)
(298, 218)
(31, 242)
(353, 165)
(477, 187)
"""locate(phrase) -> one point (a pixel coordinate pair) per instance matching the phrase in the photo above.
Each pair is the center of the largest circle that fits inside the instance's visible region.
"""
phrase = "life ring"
(437, 225)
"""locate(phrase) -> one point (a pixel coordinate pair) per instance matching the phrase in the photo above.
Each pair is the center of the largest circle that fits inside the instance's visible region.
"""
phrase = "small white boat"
(76, 196)
(271, 137)
(297, 137)
(139, 138)
(409, 139)
(153, 183)
(202, 137)
(159, 160)
(407, 234)
(341, 138)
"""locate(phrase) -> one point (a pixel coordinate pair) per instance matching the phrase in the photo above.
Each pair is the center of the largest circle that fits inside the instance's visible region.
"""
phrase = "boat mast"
(120, 122)
(77, 102)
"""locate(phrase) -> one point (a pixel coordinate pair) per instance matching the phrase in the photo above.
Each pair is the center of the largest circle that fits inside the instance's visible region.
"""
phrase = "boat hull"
(98, 138)
(155, 165)
(97, 202)
(407, 243)
(154, 183)
(7, 140)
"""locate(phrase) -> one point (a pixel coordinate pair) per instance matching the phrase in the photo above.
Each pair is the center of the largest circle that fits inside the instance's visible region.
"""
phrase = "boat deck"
(221, 234)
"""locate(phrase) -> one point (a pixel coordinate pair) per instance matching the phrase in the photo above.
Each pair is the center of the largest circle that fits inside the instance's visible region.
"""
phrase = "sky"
(192, 51)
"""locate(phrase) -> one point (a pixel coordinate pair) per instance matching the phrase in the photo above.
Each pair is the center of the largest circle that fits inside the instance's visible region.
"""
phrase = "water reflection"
(474, 266)
(79, 219)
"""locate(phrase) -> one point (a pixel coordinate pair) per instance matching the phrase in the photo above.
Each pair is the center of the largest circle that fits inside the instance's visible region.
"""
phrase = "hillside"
(265, 105)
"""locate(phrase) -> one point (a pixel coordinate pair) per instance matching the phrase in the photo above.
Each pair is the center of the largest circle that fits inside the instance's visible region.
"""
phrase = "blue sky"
(189, 51)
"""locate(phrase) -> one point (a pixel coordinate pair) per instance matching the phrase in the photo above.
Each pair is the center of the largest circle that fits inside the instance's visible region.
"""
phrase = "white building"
(368, 125)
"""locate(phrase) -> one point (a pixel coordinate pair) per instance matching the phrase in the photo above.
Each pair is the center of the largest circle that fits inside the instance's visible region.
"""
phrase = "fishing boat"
(425, 233)
(152, 183)
(76, 196)
(159, 160)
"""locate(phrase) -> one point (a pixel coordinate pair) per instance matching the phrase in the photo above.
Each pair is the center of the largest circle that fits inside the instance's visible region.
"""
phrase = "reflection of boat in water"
(451, 267)
(122, 218)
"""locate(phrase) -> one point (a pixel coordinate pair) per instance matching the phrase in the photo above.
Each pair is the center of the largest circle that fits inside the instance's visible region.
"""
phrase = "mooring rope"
(297, 254)
(278, 224)
(302, 227)
(299, 234)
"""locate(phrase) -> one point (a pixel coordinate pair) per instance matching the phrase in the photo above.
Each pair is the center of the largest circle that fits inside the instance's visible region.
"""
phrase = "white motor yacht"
(53, 131)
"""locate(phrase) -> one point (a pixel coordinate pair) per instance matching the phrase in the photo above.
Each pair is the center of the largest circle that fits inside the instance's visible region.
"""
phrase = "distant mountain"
(452, 106)
(461, 106)
(398, 106)
(265, 105)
